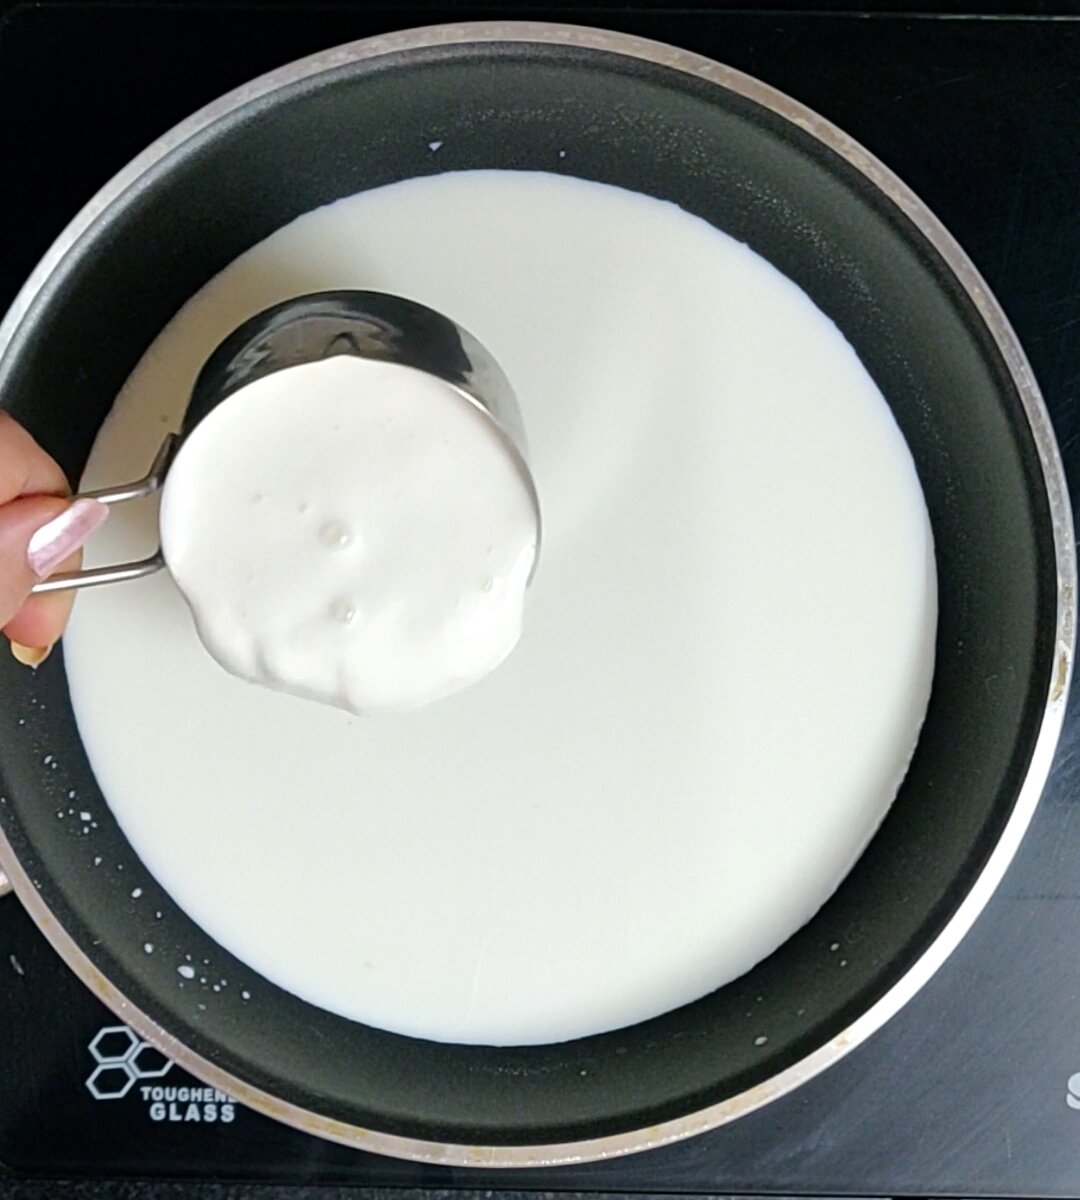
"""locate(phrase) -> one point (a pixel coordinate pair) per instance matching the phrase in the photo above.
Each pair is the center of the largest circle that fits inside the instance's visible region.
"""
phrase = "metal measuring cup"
(372, 325)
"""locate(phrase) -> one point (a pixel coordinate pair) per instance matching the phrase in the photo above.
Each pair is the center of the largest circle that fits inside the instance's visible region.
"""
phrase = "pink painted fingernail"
(63, 535)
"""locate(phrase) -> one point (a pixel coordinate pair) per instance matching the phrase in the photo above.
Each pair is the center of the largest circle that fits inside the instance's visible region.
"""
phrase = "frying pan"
(760, 166)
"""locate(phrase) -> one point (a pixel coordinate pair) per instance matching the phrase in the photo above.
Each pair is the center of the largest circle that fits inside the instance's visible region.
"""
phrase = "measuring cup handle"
(93, 576)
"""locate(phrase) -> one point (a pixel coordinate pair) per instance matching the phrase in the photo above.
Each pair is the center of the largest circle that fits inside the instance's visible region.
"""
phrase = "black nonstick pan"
(766, 170)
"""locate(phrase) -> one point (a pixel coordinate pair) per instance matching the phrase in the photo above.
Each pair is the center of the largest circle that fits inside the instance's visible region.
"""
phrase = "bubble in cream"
(343, 610)
(335, 534)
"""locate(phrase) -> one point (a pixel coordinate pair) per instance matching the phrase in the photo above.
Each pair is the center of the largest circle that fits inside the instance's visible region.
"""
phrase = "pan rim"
(1060, 513)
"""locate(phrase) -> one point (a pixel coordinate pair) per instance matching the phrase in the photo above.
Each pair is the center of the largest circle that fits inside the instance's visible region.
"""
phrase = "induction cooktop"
(974, 1089)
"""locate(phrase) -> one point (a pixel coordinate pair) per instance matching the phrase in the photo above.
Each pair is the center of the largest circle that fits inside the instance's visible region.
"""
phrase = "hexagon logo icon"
(122, 1059)
(148, 1062)
(110, 1081)
(113, 1044)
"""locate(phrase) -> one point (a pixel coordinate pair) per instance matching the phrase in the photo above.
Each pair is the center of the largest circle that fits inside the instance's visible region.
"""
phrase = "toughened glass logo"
(124, 1062)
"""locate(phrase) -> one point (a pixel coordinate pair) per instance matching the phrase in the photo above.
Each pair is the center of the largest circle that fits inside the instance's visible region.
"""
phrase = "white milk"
(727, 658)
(351, 531)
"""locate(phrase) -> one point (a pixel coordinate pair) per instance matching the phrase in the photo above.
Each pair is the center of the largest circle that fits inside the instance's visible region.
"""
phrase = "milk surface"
(351, 531)
(727, 656)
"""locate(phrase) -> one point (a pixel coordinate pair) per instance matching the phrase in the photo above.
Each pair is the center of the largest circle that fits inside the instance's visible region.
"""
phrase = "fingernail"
(30, 656)
(63, 535)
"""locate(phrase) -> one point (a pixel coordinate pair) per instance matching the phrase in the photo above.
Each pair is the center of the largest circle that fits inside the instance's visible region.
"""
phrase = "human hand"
(41, 531)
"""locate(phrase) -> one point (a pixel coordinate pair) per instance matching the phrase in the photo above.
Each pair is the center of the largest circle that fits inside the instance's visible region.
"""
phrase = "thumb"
(38, 536)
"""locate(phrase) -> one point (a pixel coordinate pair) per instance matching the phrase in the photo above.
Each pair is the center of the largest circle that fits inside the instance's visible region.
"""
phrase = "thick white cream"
(728, 652)
(351, 531)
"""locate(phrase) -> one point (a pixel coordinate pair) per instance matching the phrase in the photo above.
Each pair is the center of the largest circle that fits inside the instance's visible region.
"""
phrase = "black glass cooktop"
(974, 1089)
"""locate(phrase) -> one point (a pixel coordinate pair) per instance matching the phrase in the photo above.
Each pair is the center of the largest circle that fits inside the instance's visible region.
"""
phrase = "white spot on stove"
(16, 966)
(84, 816)
(148, 947)
(136, 893)
(760, 1040)
(188, 972)
(433, 146)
